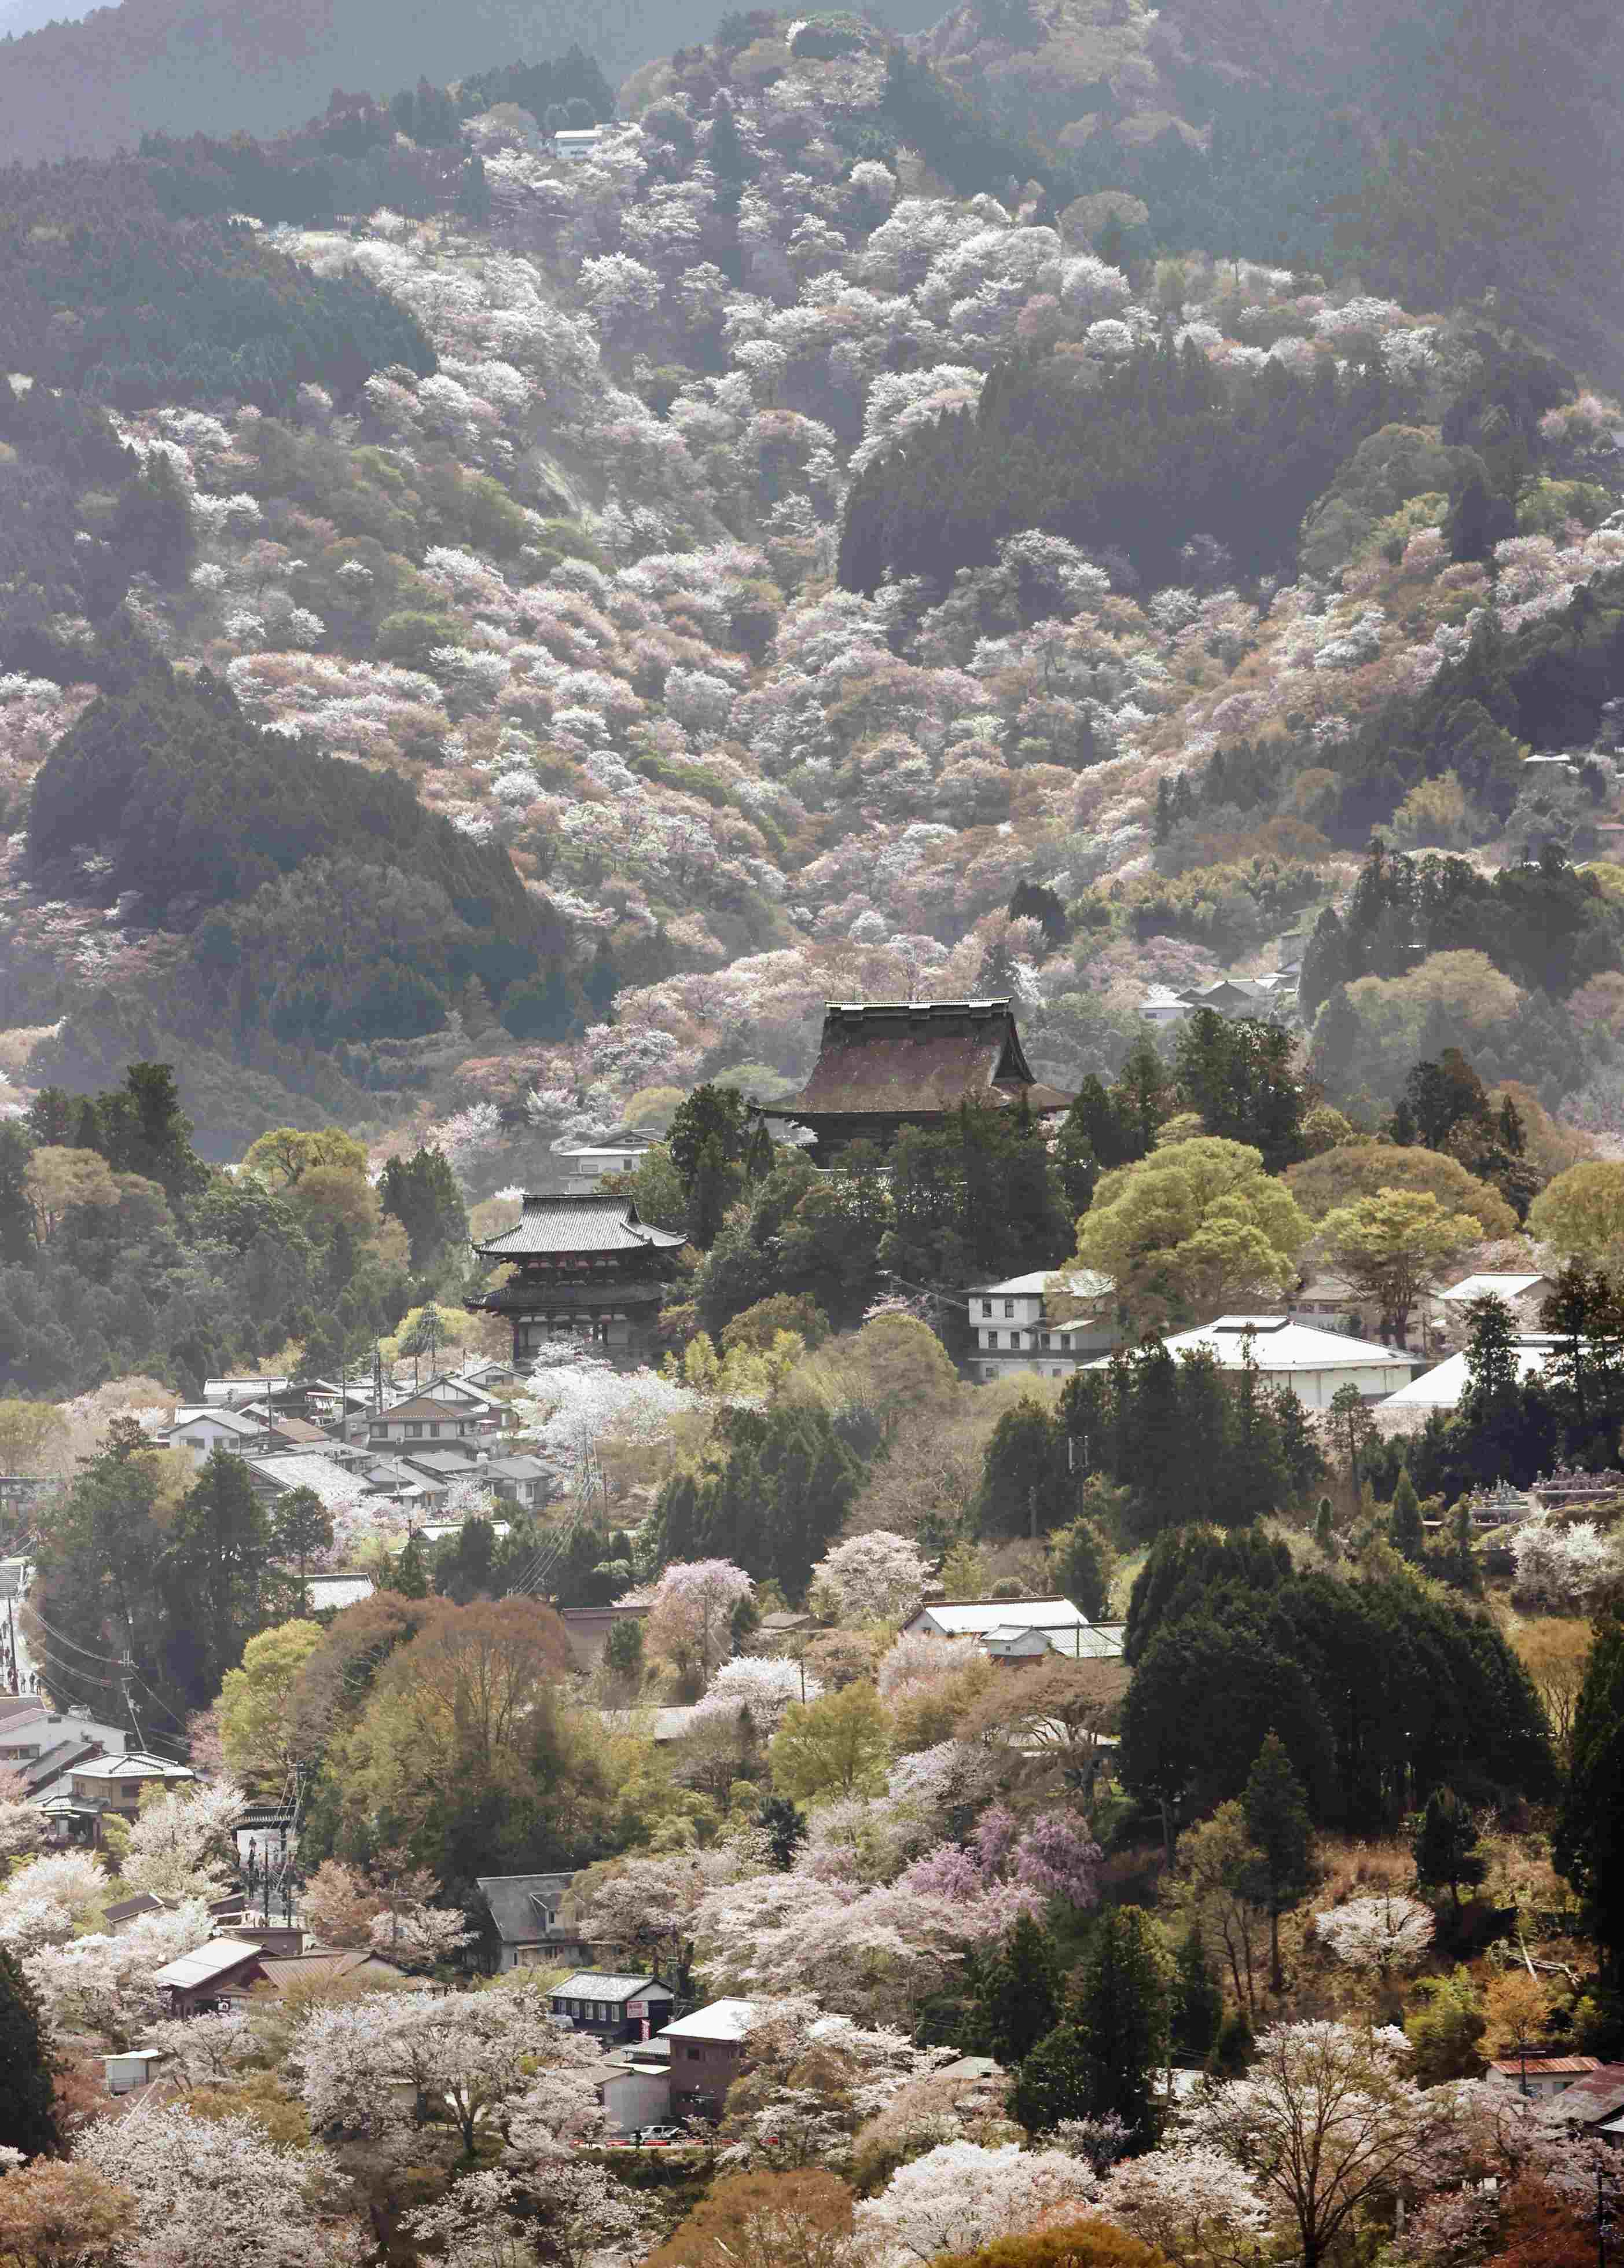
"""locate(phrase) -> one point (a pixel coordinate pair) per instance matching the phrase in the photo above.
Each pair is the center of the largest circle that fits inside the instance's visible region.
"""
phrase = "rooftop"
(723, 2020)
(1082, 1284)
(1495, 1287)
(919, 1056)
(1279, 1344)
(136, 1765)
(520, 1903)
(601, 1984)
(594, 1223)
(1442, 1387)
(979, 1618)
(1598, 2095)
(217, 1958)
(322, 1963)
(338, 1590)
(231, 1421)
(1545, 2066)
(291, 1469)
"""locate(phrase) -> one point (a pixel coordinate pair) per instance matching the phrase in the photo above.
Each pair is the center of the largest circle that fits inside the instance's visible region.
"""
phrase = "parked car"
(660, 2138)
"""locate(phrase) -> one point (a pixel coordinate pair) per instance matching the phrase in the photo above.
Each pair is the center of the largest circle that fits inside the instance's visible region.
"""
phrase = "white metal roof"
(1279, 1344)
(723, 2020)
(1085, 1642)
(600, 1984)
(338, 1590)
(980, 1617)
(1442, 1389)
(202, 1966)
(1492, 1286)
(232, 1420)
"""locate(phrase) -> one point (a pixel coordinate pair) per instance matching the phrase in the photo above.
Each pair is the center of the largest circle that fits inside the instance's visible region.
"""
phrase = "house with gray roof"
(1046, 1322)
(613, 2008)
(526, 1913)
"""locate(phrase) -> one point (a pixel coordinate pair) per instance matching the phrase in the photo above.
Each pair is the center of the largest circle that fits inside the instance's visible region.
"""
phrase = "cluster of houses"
(344, 1440)
(1271, 996)
(1050, 1324)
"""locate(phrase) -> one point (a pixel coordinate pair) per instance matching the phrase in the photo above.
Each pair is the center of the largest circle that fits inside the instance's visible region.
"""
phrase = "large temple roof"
(919, 1058)
(597, 1223)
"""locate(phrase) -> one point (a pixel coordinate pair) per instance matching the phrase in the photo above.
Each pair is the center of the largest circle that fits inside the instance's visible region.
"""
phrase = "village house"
(1543, 2077)
(1315, 1365)
(1271, 996)
(116, 1783)
(520, 1480)
(587, 1270)
(586, 1163)
(525, 1915)
(200, 1429)
(209, 1976)
(346, 1587)
(1013, 1630)
(131, 2069)
(1043, 1322)
(1525, 1293)
(635, 2088)
(587, 1628)
(611, 2007)
(913, 1062)
(1596, 2101)
(425, 1418)
(707, 2056)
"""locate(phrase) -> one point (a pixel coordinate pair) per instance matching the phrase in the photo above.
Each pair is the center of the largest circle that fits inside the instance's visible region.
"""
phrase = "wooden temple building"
(912, 1064)
(584, 1268)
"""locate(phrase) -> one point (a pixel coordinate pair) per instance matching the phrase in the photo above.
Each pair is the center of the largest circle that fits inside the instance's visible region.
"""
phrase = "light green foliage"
(1192, 1229)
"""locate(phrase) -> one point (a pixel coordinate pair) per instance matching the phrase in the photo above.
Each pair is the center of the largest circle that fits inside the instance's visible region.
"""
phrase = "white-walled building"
(1315, 1365)
(1014, 1329)
(586, 1163)
(1013, 1630)
(1525, 1293)
(1441, 1388)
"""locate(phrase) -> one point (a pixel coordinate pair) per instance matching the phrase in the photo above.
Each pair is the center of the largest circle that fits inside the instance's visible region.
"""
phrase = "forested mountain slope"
(760, 552)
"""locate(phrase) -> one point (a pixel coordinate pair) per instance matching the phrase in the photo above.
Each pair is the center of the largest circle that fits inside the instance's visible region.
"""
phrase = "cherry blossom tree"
(103, 1984)
(919, 1659)
(870, 1953)
(1192, 2203)
(759, 1686)
(585, 2210)
(869, 1579)
(365, 2064)
(57, 1896)
(691, 1614)
(394, 1910)
(183, 1844)
(1326, 2119)
(476, 2224)
(1383, 1933)
(651, 1906)
(218, 2189)
(22, 1829)
(960, 2196)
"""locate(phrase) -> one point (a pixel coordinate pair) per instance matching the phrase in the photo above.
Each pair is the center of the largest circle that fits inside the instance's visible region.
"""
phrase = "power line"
(118, 1661)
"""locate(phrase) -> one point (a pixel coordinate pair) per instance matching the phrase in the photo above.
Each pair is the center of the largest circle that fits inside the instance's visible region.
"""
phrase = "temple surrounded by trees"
(913, 1062)
(585, 1268)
